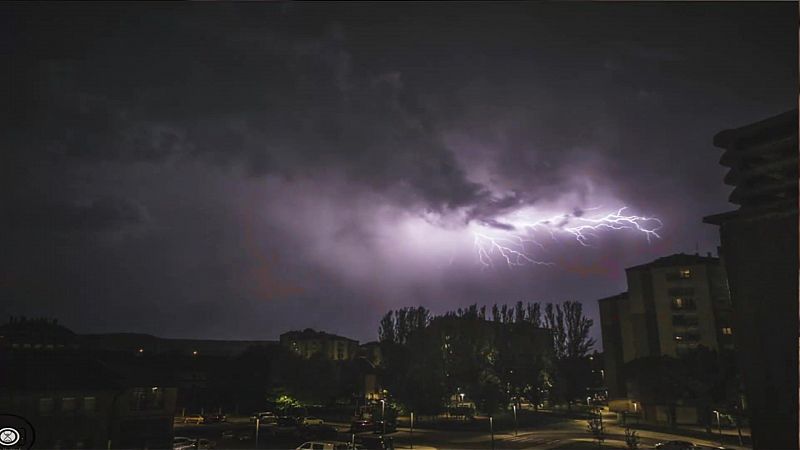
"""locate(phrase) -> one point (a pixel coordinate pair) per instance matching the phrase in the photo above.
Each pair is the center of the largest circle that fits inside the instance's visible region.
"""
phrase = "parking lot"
(240, 433)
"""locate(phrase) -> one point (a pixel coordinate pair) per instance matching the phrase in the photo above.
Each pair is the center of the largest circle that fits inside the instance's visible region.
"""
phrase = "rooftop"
(784, 123)
(763, 166)
(620, 296)
(309, 333)
(36, 371)
(678, 259)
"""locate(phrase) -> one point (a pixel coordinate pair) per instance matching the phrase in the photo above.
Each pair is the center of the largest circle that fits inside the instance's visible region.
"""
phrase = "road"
(562, 434)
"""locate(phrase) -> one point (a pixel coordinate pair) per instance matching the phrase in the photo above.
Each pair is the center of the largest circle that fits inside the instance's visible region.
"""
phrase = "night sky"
(234, 171)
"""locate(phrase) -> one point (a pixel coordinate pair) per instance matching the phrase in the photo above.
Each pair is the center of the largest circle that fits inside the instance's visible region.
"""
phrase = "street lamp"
(491, 429)
(719, 427)
(515, 419)
(383, 416)
(411, 437)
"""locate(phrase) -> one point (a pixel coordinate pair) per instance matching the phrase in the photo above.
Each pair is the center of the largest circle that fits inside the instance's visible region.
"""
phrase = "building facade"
(673, 305)
(74, 401)
(308, 343)
(759, 247)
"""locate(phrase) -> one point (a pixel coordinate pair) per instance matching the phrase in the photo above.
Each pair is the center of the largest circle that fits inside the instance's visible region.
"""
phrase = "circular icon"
(9, 436)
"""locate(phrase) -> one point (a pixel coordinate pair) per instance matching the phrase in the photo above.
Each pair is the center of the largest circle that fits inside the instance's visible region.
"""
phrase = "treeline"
(569, 327)
(492, 355)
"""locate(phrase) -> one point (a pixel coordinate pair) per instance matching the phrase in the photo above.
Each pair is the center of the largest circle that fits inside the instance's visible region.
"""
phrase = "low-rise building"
(308, 343)
(74, 401)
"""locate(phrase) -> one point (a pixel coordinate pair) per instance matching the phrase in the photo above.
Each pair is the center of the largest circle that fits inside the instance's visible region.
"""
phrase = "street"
(566, 433)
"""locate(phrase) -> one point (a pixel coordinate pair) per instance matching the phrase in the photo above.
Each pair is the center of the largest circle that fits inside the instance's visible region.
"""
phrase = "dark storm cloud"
(98, 215)
(285, 104)
(231, 133)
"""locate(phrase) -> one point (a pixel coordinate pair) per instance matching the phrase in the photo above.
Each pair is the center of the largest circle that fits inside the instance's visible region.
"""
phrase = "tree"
(662, 379)
(534, 314)
(700, 376)
(397, 326)
(386, 329)
(595, 425)
(577, 342)
(554, 320)
(429, 359)
(631, 439)
(571, 343)
(519, 312)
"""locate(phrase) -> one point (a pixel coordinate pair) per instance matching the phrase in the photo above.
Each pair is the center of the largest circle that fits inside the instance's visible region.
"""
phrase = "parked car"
(676, 445)
(194, 418)
(311, 421)
(182, 443)
(213, 418)
(359, 425)
(264, 417)
(330, 445)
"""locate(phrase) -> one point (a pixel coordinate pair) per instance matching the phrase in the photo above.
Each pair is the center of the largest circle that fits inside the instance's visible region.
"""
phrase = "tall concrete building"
(673, 304)
(760, 252)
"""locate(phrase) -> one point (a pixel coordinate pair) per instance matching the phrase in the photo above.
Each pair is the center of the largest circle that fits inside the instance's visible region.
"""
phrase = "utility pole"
(516, 425)
(491, 429)
(411, 437)
(383, 416)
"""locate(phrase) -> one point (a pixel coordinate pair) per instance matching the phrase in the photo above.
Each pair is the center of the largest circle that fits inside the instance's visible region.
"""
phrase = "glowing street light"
(515, 419)
(719, 427)
(491, 429)
(411, 436)
(383, 416)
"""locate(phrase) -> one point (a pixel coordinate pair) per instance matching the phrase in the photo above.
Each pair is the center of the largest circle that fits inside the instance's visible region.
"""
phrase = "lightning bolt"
(513, 241)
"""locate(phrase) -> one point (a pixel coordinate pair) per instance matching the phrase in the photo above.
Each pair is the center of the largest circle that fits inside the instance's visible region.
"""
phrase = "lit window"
(678, 338)
(727, 331)
(685, 273)
(683, 303)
